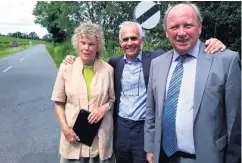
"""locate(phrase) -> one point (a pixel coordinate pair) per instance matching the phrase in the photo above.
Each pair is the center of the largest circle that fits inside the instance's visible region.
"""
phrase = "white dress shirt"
(184, 113)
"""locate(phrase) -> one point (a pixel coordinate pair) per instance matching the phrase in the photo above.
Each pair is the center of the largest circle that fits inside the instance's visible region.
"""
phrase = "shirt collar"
(139, 58)
(193, 52)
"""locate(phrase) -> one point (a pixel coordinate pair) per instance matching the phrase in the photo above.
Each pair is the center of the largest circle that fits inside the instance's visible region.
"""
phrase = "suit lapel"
(163, 71)
(119, 71)
(204, 63)
(146, 66)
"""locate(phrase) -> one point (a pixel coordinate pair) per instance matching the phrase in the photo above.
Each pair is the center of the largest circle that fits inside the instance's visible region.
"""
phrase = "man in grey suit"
(192, 101)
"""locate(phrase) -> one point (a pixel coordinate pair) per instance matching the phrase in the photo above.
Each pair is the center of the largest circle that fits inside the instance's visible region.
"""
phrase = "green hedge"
(60, 51)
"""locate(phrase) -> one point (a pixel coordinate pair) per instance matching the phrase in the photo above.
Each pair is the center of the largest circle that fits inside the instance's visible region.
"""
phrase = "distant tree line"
(222, 19)
(31, 35)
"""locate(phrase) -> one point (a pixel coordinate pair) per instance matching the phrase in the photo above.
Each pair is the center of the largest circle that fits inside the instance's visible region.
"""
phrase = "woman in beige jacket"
(85, 84)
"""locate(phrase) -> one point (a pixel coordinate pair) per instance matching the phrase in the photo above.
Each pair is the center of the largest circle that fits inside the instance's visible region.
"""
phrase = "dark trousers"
(129, 141)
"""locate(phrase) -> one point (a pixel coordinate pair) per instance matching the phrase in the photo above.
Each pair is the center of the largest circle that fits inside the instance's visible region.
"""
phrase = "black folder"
(84, 130)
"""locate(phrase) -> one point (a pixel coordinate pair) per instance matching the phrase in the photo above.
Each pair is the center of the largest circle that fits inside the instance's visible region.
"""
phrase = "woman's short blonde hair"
(89, 29)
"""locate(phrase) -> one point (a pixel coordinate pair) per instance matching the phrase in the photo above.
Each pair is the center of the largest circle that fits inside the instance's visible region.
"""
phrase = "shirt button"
(179, 131)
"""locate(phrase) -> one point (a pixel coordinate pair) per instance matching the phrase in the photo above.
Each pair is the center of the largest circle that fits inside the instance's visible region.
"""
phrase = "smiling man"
(192, 101)
(130, 80)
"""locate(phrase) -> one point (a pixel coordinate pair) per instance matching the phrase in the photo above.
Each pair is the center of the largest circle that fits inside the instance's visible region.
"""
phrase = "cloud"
(17, 16)
(16, 23)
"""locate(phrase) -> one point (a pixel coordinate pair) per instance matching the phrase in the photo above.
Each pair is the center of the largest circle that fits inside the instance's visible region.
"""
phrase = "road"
(29, 130)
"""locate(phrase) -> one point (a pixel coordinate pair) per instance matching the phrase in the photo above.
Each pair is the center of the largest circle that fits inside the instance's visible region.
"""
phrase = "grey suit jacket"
(217, 97)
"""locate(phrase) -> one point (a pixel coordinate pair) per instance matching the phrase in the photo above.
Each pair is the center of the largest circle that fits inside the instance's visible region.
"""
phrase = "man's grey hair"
(194, 6)
(127, 23)
(87, 29)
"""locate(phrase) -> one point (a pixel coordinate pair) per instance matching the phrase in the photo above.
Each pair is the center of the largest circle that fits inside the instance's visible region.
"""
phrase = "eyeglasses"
(126, 39)
(133, 90)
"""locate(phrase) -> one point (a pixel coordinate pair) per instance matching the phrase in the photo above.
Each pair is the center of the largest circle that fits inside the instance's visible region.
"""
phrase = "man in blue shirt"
(131, 72)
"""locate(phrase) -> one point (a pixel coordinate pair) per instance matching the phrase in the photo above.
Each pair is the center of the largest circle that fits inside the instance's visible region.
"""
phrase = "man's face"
(131, 41)
(183, 28)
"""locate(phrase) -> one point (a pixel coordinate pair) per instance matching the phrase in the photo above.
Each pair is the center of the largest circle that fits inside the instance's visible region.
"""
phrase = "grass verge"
(6, 48)
(4, 52)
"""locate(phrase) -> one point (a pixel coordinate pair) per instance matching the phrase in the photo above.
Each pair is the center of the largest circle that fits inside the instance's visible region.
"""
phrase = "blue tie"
(169, 139)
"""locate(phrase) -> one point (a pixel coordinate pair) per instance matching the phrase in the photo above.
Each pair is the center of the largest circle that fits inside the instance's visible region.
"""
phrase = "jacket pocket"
(222, 142)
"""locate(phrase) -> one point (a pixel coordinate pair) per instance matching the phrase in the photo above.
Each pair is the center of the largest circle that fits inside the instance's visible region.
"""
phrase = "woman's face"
(87, 48)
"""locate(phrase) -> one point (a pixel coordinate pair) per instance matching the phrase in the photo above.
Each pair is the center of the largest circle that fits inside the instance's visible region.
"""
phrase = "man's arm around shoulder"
(112, 61)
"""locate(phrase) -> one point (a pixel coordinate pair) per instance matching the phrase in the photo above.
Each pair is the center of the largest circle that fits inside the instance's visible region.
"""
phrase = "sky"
(17, 16)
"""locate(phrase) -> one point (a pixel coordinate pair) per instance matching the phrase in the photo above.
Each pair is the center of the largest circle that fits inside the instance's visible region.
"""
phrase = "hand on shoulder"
(69, 59)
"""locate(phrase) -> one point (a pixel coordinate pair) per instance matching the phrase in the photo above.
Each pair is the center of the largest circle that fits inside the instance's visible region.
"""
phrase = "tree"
(221, 20)
(63, 17)
(47, 14)
(33, 35)
(47, 37)
(16, 34)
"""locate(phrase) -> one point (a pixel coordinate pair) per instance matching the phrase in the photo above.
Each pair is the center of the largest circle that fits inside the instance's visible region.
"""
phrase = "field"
(6, 45)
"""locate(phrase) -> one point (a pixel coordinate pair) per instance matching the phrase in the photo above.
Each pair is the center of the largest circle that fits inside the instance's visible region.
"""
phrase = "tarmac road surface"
(29, 130)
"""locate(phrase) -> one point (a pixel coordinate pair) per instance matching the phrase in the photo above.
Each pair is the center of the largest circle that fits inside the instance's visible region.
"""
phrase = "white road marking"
(21, 59)
(7, 69)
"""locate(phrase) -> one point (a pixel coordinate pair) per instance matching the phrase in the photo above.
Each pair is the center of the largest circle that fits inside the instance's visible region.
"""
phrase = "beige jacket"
(70, 87)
